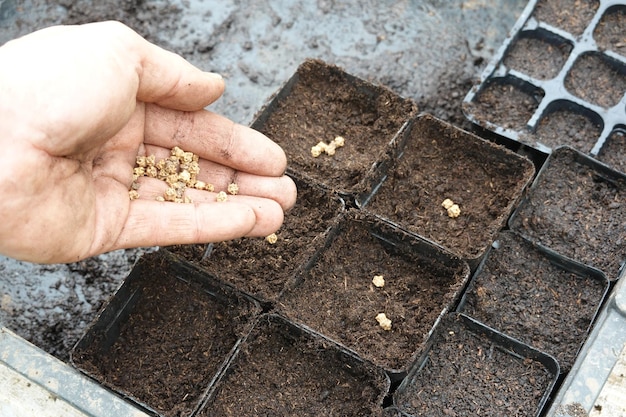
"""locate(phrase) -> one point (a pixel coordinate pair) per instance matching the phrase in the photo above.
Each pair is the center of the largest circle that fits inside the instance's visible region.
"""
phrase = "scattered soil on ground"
(441, 162)
(578, 211)
(337, 298)
(282, 370)
(467, 374)
(520, 291)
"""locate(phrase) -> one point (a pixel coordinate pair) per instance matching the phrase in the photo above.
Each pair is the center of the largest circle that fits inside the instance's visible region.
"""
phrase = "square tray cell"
(609, 33)
(598, 79)
(439, 162)
(165, 336)
(538, 53)
(613, 151)
(337, 297)
(321, 102)
(572, 16)
(261, 268)
(536, 296)
(282, 369)
(577, 207)
(472, 370)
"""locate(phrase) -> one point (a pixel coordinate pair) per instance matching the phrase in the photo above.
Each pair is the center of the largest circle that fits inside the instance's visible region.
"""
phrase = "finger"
(169, 80)
(281, 189)
(214, 138)
(153, 223)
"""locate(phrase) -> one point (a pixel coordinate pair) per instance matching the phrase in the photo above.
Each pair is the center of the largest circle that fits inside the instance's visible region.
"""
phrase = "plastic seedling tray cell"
(536, 296)
(470, 369)
(261, 268)
(285, 369)
(576, 207)
(165, 336)
(439, 162)
(613, 152)
(337, 297)
(586, 89)
(321, 102)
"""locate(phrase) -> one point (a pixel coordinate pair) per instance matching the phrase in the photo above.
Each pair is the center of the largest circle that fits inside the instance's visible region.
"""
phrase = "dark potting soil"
(281, 370)
(442, 162)
(325, 102)
(572, 16)
(337, 298)
(260, 268)
(522, 293)
(537, 57)
(565, 127)
(613, 152)
(609, 33)
(467, 374)
(597, 79)
(504, 104)
(172, 345)
(578, 212)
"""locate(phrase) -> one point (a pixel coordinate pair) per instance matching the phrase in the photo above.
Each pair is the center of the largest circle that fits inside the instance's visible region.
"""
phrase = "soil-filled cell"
(569, 126)
(321, 102)
(165, 336)
(597, 79)
(283, 370)
(441, 162)
(610, 33)
(261, 268)
(572, 16)
(577, 207)
(505, 104)
(536, 297)
(470, 372)
(538, 56)
(613, 151)
(371, 268)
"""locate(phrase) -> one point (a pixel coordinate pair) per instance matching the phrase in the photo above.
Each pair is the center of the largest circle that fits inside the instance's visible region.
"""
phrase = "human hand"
(77, 105)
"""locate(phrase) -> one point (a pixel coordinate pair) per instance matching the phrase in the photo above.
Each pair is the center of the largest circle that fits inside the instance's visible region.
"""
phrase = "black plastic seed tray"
(558, 79)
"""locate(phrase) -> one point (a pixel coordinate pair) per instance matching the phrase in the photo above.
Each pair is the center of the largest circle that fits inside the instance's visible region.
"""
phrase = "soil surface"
(610, 33)
(441, 162)
(260, 268)
(566, 127)
(522, 293)
(572, 16)
(505, 105)
(613, 152)
(537, 56)
(257, 46)
(467, 374)
(597, 80)
(173, 343)
(325, 103)
(281, 370)
(577, 211)
(339, 300)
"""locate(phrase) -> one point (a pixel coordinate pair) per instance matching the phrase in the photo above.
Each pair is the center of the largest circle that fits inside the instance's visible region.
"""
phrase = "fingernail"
(215, 75)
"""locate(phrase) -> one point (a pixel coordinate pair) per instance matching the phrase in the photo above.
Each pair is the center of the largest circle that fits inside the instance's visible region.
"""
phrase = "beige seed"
(271, 239)
(221, 196)
(383, 321)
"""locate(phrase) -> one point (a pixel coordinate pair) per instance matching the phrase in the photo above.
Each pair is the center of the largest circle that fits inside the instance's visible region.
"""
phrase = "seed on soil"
(378, 281)
(453, 209)
(383, 321)
(221, 196)
(271, 239)
(329, 149)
